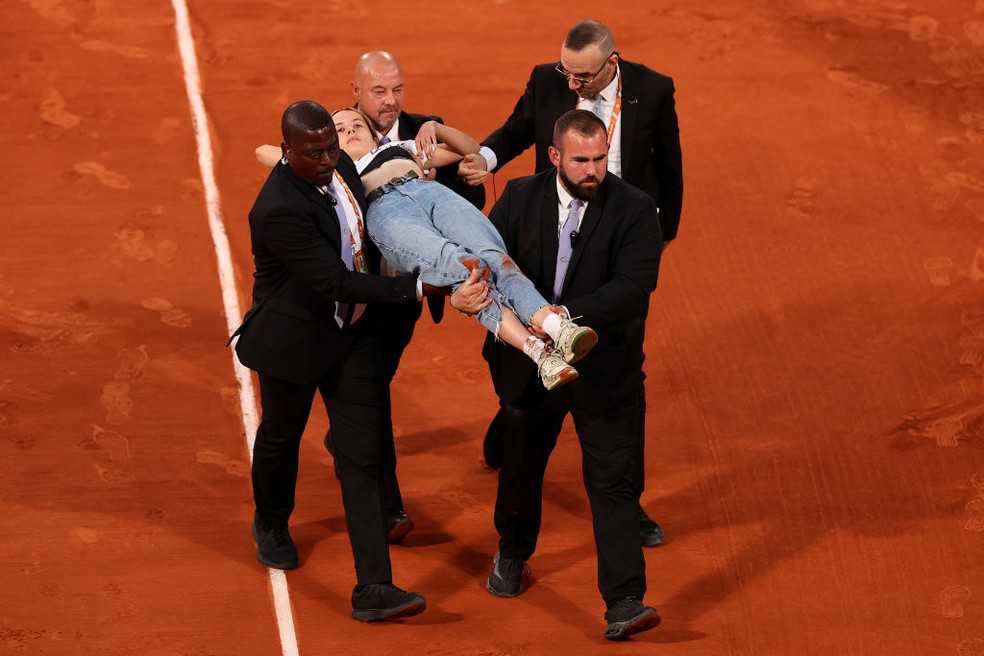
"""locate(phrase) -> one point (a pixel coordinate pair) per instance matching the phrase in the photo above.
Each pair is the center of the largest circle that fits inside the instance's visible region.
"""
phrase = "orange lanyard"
(359, 261)
(613, 121)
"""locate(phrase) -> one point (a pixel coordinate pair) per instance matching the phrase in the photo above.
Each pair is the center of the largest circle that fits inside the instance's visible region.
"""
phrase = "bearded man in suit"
(637, 106)
(606, 276)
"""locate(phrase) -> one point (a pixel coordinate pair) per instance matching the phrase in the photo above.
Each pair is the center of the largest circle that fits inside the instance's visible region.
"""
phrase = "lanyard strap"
(613, 121)
(359, 260)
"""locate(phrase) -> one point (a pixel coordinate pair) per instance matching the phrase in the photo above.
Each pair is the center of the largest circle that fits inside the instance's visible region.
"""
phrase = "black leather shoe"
(384, 601)
(651, 532)
(627, 616)
(274, 546)
(398, 525)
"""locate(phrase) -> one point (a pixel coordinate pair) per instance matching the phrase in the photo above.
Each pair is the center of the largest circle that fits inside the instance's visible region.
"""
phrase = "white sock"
(551, 326)
(534, 347)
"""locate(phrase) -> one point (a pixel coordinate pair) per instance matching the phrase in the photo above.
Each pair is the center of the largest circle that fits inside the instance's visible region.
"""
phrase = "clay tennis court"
(815, 348)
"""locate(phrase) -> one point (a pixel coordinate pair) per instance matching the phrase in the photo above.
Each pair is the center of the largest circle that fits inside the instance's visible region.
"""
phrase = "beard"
(580, 190)
(394, 111)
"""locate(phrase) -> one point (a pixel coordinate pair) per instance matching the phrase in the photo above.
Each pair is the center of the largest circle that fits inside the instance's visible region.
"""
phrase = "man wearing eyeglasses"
(637, 107)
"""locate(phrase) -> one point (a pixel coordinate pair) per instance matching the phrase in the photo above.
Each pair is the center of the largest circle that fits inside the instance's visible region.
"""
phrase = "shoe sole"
(414, 607)
(653, 542)
(642, 622)
(400, 531)
(568, 376)
(504, 595)
(583, 342)
(291, 564)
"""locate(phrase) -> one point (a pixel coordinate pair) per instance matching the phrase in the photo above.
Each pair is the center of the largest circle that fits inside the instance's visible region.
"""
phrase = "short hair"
(589, 32)
(576, 120)
(372, 130)
(303, 116)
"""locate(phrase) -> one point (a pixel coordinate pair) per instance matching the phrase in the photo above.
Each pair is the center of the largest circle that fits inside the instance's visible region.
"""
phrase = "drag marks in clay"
(53, 11)
(103, 175)
(952, 600)
(53, 111)
(115, 396)
(48, 334)
(975, 507)
(131, 241)
(170, 315)
(972, 647)
(130, 52)
(236, 468)
(938, 269)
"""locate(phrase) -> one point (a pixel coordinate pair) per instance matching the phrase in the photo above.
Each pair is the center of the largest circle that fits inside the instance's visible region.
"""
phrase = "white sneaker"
(574, 341)
(554, 372)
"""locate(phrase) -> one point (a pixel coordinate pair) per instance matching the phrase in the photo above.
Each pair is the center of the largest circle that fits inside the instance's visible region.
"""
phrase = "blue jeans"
(424, 227)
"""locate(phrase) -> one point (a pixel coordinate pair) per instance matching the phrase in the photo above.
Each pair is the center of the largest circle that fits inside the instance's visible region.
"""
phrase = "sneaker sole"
(642, 622)
(583, 342)
(569, 376)
(381, 614)
(504, 595)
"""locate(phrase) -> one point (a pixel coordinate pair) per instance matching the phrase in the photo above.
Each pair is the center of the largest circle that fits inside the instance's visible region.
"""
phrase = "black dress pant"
(610, 448)
(356, 397)
(399, 321)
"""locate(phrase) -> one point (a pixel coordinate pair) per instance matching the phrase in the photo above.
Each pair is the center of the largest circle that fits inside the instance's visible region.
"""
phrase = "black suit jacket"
(612, 273)
(290, 331)
(651, 158)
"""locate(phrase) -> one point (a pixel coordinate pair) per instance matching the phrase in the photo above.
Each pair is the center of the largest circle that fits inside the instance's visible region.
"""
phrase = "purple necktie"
(568, 234)
(384, 141)
(343, 311)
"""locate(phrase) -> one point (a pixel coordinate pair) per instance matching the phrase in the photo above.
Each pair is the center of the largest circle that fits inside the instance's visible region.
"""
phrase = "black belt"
(387, 187)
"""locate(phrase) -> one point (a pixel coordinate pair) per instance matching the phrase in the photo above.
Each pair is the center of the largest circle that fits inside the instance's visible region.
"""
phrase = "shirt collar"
(608, 93)
(564, 196)
(394, 132)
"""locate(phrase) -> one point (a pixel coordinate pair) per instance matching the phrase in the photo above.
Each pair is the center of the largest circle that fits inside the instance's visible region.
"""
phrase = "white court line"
(247, 403)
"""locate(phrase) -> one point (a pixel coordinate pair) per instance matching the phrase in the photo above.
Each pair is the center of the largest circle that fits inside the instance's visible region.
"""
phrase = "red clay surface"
(816, 344)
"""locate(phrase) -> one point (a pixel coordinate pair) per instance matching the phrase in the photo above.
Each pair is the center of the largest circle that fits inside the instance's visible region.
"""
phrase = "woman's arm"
(268, 155)
(456, 144)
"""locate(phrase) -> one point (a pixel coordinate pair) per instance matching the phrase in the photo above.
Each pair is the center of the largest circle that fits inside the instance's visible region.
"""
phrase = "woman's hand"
(426, 140)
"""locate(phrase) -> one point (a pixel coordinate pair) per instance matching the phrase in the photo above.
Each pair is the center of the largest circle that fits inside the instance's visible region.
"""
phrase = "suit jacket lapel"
(589, 223)
(548, 235)
(326, 219)
(630, 115)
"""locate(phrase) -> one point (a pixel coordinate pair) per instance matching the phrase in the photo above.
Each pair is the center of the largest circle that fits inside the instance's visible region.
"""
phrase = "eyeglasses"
(583, 80)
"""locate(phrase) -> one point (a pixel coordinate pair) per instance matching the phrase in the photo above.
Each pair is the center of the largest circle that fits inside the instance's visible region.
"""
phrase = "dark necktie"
(568, 235)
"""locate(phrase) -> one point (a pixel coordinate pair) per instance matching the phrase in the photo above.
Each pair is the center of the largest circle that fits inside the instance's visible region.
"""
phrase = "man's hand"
(473, 169)
(472, 296)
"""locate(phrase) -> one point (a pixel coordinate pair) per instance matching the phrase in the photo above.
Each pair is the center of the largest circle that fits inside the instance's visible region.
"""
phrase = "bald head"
(378, 88)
